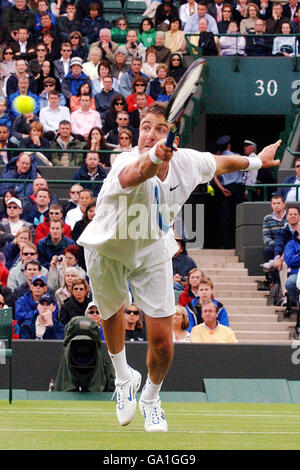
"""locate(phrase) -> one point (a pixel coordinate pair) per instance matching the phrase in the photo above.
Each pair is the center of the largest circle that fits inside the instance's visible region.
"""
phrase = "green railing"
(291, 137)
(263, 189)
(50, 182)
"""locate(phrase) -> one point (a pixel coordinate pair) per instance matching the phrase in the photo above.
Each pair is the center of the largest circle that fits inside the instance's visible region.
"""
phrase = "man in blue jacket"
(292, 259)
(54, 244)
(91, 170)
(71, 83)
(43, 324)
(194, 308)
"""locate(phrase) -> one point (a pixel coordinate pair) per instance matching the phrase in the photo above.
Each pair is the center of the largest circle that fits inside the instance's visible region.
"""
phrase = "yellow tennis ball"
(24, 104)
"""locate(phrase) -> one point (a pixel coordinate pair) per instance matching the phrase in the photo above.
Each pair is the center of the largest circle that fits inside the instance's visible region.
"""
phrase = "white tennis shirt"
(133, 225)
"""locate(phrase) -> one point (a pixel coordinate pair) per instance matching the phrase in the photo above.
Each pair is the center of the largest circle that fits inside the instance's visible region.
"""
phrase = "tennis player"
(130, 242)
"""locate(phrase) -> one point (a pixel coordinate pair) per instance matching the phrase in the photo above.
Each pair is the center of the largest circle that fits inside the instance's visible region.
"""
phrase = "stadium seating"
(6, 334)
(112, 10)
(134, 12)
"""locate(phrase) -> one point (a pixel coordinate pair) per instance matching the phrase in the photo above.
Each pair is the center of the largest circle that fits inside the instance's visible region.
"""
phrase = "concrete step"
(212, 272)
(262, 335)
(261, 326)
(236, 279)
(271, 342)
(256, 319)
(212, 252)
(213, 264)
(254, 310)
(240, 293)
(233, 286)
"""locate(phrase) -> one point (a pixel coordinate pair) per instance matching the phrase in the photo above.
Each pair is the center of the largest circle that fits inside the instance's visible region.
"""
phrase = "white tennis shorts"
(152, 287)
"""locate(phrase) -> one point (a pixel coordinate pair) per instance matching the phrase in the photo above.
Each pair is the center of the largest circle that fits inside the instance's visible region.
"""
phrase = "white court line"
(182, 431)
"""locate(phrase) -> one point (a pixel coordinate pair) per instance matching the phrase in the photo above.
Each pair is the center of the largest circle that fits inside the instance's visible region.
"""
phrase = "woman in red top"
(138, 84)
(191, 290)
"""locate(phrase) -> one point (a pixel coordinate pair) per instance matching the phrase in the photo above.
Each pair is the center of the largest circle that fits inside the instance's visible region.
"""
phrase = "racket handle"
(171, 137)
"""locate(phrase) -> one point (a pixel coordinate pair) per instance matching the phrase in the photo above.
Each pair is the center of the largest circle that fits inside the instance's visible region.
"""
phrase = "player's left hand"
(268, 153)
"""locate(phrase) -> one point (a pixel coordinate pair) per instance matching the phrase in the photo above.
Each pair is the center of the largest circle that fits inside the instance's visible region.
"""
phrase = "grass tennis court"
(86, 425)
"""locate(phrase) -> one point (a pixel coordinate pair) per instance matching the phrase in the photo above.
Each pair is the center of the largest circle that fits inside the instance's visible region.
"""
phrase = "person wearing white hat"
(71, 82)
(250, 149)
(13, 222)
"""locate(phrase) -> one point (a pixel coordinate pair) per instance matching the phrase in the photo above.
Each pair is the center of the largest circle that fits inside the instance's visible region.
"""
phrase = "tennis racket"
(184, 90)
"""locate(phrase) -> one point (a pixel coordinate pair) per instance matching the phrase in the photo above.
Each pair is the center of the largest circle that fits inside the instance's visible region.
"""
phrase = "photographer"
(59, 264)
(133, 49)
(54, 244)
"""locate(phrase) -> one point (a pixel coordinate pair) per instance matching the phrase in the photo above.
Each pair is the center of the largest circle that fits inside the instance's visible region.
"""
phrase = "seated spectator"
(43, 325)
(21, 167)
(93, 23)
(6, 143)
(291, 258)
(63, 293)
(80, 225)
(54, 244)
(84, 89)
(180, 325)
(205, 294)
(96, 141)
(50, 36)
(16, 329)
(119, 67)
(207, 41)
(35, 64)
(257, 45)
(50, 84)
(93, 313)
(107, 47)
(23, 89)
(182, 264)
(47, 71)
(30, 204)
(73, 200)
(240, 10)
(5, 119)
(139, 84)
(26, 305)
(32, 268)
(40, 210)
(13, 78)
(164, 14)
(85, 118)
(71, 82)
(83, 7)
(155, 85)
(23, 46)
(133, 48)
(79, 49)
(58, 8)
(77, 304)
(226, 18)
(192, 289)
(73, 215)
(175, 37)
(273, 24)
(290, 194)
(6, 197)
(147, 32)
(91, 170)
(176, 67)
(119, 31)
(69, 22)
(7, 67)
(90, 67)
(163, 52)
(59, 264)
(104, 97)
(104, 70)
(12, 248)
(167, 90)
(13, 223)
(53, 114)
(123, 123)
(42, 229)
(62, 64)
(118, 103)
(211, 331)
(134, 327)
(128, 77)
(125, 144)
(150, 65)
(284, 45)
(36, 140)
(66, 140)
(247, 24)
(21, 126)
(231, 45)
(15, 16)
(295, 23)
(141, 99)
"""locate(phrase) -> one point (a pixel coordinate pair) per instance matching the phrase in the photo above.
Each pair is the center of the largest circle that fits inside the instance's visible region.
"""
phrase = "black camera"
(133, 46)
(59, 259)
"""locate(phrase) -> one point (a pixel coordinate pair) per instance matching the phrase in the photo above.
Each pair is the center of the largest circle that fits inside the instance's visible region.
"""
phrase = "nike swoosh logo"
(174, 187)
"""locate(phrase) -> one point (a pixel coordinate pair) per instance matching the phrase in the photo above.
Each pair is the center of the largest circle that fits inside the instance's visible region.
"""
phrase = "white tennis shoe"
(154, 416)
(126, 401)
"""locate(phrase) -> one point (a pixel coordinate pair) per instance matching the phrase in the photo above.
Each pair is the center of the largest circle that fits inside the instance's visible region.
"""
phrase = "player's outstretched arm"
(231, 163)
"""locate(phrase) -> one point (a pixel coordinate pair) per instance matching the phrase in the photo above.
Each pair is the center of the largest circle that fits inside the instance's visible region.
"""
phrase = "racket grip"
(170, 138)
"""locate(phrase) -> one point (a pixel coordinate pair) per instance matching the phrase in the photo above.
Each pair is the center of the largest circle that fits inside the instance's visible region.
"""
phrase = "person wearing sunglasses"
(43, 324)
(93, 313)
(7, 65)
(134, 327)
(55, 213)
(77, 304)
(289, 194)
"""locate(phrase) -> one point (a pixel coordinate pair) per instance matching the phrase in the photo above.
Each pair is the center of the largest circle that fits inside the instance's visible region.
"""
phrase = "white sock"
(122, 369)
(150, 391)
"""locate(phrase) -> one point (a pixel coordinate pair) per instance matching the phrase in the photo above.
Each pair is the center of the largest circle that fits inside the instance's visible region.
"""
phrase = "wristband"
(255, 163)
(153, 157)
